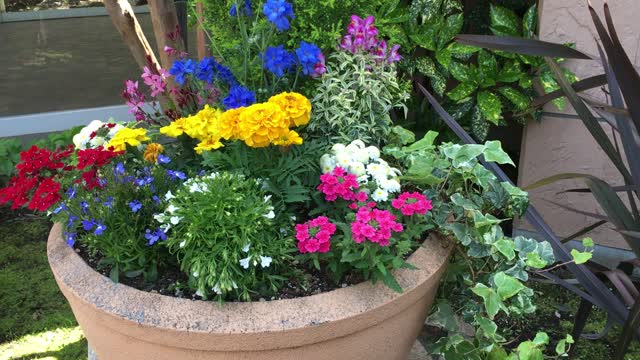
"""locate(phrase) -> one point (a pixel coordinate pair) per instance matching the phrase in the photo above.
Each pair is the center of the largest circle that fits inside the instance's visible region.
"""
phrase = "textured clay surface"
(357, 322)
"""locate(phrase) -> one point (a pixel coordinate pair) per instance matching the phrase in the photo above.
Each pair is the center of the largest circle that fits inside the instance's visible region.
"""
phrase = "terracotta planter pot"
(356, 322)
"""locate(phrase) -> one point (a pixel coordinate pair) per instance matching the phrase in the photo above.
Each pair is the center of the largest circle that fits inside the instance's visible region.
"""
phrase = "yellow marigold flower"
(261, 123)
(152, 151)
(203, 124)
(228, 124)
(296, 107)
(174, 129)
(208, 145)
(127, 136)
(289, 138)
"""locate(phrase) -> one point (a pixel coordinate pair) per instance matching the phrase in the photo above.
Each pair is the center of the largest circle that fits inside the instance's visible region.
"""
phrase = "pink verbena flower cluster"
(314, 235)
(339, 184)
(363, 36)
(374, 225)
(412, 203)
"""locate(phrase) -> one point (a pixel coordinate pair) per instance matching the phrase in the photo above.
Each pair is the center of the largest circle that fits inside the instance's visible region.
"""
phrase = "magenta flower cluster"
(363, 36)
(374, 225)
(315, 235)
(412, 203)
(339, 184)
(155, 80)
(135, 99)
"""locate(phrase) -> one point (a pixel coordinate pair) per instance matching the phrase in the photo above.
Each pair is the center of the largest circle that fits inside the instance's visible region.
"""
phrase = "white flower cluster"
(374, 174)
(83, 139)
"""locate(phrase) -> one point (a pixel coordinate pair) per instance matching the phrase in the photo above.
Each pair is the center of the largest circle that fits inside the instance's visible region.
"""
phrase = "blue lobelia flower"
(278, 60)
(154, 236)
(70, 238)
(60, 207)
(308, 56)
(238, 96)
(71, 192)
(84, 207)
(163, 159)
(135, 206)
(88, 224)
(109, 202)
(277, 12)
(181, 68)
(71, 221)
(173, 175)
(100, 228)
(119, 169)
(156, 199)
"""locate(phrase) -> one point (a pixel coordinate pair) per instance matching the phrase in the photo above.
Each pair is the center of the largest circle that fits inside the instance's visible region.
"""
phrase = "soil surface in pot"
(173, 282)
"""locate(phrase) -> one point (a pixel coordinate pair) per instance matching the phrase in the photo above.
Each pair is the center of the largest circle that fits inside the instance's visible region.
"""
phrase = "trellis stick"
(165, 22)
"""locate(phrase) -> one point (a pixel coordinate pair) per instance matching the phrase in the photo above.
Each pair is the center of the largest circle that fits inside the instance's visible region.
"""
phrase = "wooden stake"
(201, 39)
(165, 21)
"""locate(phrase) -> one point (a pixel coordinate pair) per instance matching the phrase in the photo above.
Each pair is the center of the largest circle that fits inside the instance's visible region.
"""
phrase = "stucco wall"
(563, 145)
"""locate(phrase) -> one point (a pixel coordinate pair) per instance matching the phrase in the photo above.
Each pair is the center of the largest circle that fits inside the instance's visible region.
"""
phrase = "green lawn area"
(35, 320)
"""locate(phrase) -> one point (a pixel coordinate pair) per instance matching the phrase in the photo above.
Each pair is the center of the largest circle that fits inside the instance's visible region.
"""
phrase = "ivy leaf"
(426, 143)
(444, 57)
(518, 99)
(487, 68)
(510, 72)
(561, 347)
(459, 71)
(506, 248)
(492, 302)
(527, 350)
(529, 22)
(535, 261)
(490, 106)
(463, 202)
(504, 22)
(541, 339)
(402, 135)
(489, 329)
(444, 317)
(493, 152)
(580, 257)
(462, 155)
(507, 286)
(462, 91)
(482, 176)
(587, 242)
(452, 27)
(462, 232)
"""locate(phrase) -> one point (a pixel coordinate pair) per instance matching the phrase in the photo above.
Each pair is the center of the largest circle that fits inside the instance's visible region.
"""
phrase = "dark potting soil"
(173, 282)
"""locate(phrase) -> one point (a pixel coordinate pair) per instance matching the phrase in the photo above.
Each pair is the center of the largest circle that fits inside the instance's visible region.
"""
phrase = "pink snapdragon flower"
(315, 235)
(412, 203)
(155, 81)
(362, 35)
(374, 225)
(338, 184)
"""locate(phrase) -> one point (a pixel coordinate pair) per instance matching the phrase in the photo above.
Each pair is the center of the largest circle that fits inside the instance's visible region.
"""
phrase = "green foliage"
(9, 157)
(225, 232)
(489, 269)
(354, 99)
(488, 84)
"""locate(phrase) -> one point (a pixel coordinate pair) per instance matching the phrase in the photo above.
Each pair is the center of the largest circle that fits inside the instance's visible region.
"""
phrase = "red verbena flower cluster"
(314, 235)
(338, 184)
(412, 203)
(90, 160)
(37, 171)
(374, 225)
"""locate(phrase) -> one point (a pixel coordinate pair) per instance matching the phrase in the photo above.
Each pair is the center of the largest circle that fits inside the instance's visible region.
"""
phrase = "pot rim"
(331, 314)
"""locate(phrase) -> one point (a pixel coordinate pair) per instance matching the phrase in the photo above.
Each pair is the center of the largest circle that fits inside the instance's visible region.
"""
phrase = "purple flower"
(100, 228)
(277, 12)
(60, 207)
(173, 175)
(87, 224)
(109, 202)
(277, 60)
(70, 238)
(247, 9)
(135, 206)
(239, 96)
(163, 159)
(147, 180)
(71, 192)
(154, 236)
(84, 206)
(71, 221)
(119, 169)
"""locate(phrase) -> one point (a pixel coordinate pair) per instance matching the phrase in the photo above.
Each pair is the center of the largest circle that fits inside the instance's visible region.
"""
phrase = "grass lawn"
(35, 320)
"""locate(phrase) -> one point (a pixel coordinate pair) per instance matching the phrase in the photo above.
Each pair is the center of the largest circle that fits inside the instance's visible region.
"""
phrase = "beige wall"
(564, 145)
